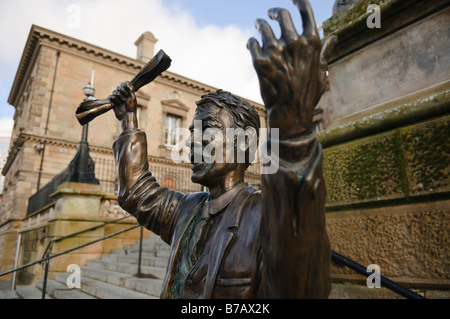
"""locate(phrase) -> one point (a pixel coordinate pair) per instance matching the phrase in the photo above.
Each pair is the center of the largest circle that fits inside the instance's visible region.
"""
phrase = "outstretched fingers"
(268, 37)
(255, 48)
(288, 31)
(309, 23)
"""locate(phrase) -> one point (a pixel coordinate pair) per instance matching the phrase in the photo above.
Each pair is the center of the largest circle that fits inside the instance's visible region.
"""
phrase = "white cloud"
(6, 126)
(212, 55)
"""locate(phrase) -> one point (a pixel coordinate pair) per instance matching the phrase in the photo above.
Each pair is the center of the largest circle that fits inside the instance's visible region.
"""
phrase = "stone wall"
(387, 147)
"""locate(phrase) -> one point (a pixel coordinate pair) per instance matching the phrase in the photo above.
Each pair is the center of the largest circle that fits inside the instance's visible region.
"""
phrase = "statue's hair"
(243, 113)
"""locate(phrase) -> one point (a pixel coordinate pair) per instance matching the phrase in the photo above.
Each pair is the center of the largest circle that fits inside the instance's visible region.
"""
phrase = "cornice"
(39, 37)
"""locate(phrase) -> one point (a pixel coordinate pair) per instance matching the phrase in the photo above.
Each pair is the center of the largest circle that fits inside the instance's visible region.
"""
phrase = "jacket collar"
(213, 206)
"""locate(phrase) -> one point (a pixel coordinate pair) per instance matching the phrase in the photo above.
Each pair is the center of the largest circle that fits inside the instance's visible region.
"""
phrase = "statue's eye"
(206, 126)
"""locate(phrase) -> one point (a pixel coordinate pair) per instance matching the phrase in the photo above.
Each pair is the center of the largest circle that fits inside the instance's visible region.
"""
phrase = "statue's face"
(208, 145)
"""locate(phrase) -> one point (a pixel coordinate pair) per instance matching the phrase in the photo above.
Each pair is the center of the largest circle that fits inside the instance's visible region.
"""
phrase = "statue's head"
(224, 137)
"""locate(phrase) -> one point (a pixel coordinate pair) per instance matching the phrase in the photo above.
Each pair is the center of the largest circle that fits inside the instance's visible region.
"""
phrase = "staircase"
(113, 276)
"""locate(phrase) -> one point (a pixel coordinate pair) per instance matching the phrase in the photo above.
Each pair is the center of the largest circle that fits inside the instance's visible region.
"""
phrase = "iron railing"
(174, 177)
(47, 257)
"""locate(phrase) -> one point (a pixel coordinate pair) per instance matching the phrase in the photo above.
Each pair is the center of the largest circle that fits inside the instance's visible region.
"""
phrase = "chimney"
(145, 46)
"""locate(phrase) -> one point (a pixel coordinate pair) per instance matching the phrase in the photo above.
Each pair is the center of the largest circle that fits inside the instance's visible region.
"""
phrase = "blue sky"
(244, 12)
(205, 38)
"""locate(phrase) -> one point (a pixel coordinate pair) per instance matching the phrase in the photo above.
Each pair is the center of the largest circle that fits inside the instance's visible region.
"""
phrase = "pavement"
(5, 290)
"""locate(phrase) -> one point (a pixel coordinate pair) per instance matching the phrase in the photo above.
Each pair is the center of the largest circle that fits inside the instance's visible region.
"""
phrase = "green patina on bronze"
(184, 262)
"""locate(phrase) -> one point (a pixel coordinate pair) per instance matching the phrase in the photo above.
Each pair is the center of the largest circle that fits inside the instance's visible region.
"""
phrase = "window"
(171, 134)
(169, 183)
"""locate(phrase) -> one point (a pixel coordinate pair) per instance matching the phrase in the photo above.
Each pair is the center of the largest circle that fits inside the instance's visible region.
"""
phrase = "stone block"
(116, 243)
(78, 201)
(399, 164)
(409, 58)
(410, 242)
(69, 243)
(427, 156)
(60, 228)
(363, 170)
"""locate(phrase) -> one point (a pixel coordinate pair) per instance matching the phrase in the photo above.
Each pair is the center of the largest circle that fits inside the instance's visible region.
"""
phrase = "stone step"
(59, 290)
(145, 249)
(150, 252)
(9, 294)
(31, 292)
(134, 259)
(126, 268)
(111, 277)
(104, 290)
(146, 285)
(150, 244)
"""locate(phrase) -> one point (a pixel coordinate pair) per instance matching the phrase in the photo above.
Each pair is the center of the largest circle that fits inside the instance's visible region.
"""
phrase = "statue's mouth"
(197, 161)
(198, 167)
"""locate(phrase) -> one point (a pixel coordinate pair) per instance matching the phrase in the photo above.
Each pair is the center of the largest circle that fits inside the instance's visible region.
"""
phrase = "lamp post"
(89, 91)
(82, 167)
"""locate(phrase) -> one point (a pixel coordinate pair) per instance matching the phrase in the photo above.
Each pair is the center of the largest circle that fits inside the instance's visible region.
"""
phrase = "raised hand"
(124, 99)
(291, 69)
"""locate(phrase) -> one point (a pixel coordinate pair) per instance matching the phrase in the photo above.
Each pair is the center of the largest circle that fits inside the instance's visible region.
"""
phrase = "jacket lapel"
(229, 223)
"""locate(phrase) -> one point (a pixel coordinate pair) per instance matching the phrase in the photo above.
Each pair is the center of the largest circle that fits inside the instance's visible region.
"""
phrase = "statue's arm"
(154, 207)
(295, 251)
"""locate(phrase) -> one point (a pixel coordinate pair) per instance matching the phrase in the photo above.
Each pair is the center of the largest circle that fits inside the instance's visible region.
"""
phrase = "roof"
(40, 36)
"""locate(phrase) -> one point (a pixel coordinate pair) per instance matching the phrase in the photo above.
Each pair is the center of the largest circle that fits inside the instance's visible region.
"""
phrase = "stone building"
(4, 147)
(47, 89)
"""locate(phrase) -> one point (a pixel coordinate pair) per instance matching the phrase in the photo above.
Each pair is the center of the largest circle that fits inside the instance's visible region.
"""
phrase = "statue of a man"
(233, 241)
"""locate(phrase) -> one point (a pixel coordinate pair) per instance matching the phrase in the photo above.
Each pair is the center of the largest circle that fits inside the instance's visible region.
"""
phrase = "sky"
(206, 39)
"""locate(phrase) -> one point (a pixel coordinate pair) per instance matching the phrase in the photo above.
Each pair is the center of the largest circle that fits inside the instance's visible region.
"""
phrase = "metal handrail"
(81, 232)
(402, 291)
(67, 251)
(48, 257)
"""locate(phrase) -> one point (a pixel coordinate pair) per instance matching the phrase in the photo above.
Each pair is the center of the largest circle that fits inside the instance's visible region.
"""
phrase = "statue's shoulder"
(194, 198)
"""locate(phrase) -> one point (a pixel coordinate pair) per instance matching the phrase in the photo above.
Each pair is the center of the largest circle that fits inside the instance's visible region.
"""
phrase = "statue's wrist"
(129, 121)
(292, 149)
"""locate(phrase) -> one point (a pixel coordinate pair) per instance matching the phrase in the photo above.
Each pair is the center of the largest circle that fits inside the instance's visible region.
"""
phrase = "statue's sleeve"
(154, 207)
(295, 253)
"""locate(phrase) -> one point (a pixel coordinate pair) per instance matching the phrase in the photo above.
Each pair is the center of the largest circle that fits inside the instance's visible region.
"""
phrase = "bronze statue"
(233, 241)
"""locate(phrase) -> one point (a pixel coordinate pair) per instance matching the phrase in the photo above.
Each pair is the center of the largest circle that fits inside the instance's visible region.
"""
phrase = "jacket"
(268, 244)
